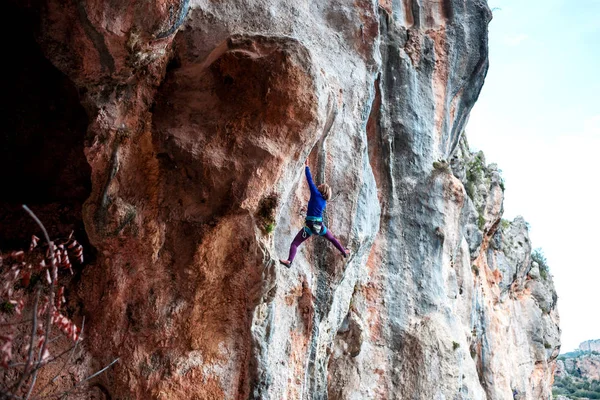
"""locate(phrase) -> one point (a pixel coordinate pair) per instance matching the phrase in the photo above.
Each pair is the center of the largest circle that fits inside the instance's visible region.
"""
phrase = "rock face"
(201, 115)
(590, 345)
(586, 366)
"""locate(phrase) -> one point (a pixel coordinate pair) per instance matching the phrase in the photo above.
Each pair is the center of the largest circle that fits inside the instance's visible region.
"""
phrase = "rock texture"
(586, 366)
(578, 373)
(200, 116)
(590, 345)
(515, 297)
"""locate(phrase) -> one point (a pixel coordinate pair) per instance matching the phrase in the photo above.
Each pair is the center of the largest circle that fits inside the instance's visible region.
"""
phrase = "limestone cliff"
(200, 115)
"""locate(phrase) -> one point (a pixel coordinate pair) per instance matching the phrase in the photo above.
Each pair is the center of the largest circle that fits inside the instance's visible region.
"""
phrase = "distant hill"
(577, 374)
(590, 345)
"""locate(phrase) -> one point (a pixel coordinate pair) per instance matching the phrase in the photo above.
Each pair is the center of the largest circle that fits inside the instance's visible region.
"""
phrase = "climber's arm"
(311, 184)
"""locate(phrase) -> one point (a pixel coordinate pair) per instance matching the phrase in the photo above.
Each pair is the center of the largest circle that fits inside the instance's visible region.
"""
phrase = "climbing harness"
(314, 225)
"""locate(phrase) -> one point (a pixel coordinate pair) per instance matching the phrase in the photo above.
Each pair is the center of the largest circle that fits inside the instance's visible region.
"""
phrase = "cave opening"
(42, 161)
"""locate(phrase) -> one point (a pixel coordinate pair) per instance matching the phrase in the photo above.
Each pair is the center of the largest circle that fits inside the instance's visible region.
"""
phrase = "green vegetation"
(475, 269)
(441, 165)
(7, 308)
(269, 227)
(33, 281)
(481, 222)
(266, 212)
(538, 257)
(475, 174)
(576, 388)
(455, 345)
(502, 184)
(577, 354)
(475, 169)
(504, 224)
(573, 382)
(470, 188)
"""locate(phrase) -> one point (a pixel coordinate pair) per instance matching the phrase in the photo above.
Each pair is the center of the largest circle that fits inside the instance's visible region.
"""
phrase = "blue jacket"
(317, 203)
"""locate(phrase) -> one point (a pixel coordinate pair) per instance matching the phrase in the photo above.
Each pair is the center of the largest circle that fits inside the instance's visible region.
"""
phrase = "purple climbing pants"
(302, 236)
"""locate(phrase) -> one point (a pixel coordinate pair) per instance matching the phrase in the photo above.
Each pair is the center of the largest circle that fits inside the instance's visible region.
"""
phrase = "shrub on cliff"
(538, 256)
(442, 165)
(265, 213)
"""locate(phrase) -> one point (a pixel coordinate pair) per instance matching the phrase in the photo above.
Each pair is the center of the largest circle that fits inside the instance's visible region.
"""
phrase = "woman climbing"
(314, 219)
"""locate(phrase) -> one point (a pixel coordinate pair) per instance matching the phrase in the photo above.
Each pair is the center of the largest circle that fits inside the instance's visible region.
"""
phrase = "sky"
(538, 118)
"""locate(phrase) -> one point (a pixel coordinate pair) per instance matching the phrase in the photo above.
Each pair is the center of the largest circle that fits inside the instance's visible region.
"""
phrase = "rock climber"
(314, 219)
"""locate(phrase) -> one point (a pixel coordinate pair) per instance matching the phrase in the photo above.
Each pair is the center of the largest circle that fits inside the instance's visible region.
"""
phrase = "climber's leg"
(329, 236)
(300, 237)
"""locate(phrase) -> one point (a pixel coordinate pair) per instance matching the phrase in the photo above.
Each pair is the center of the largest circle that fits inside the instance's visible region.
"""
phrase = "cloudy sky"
(538, 118)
